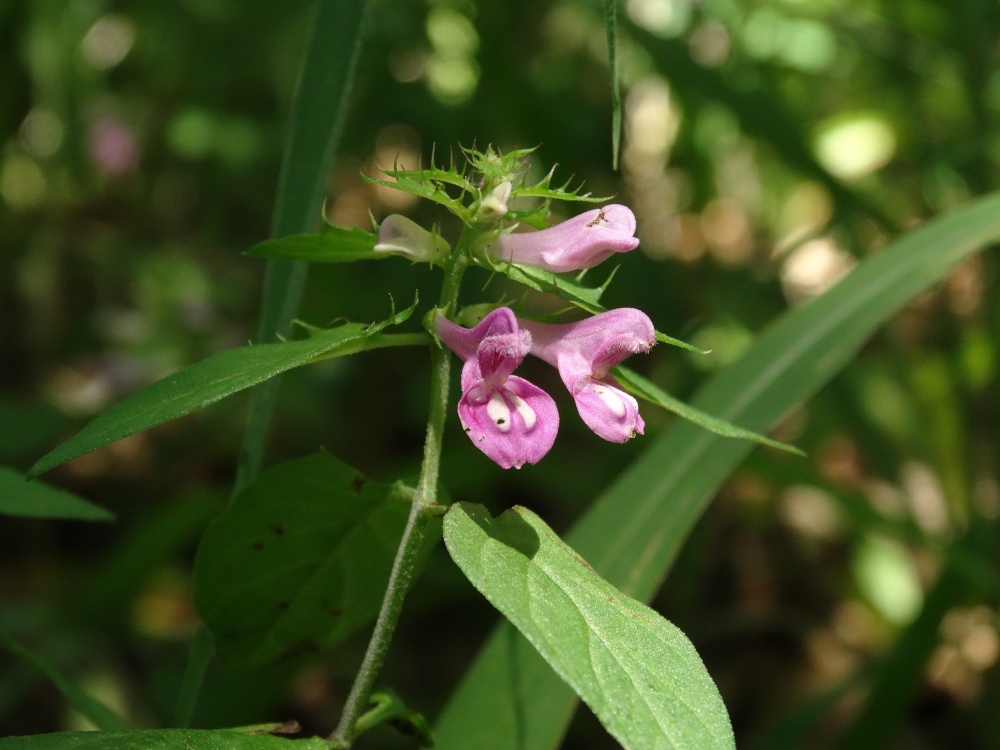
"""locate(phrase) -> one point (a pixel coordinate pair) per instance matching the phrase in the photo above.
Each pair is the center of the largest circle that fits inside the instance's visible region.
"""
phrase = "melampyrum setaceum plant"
(311, 551)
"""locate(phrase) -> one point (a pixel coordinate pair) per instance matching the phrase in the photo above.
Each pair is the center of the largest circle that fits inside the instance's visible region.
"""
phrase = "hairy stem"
(421, 512)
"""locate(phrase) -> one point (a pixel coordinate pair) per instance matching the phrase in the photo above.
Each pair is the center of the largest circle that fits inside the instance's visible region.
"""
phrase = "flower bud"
(494, 205)
(402, 236)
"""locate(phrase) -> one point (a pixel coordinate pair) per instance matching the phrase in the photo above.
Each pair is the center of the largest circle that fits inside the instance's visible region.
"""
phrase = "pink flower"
(112, 147)
(509, 419)
(584, 352)
(581, 242)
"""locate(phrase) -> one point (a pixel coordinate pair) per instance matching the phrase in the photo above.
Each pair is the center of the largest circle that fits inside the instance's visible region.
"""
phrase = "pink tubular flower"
(583, 352)
(509, 419)
(581, 242)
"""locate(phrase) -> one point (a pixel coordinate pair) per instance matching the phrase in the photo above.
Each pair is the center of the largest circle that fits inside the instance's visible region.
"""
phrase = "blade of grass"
(100, 715)
(511, 699)
(316, 123)
(611, 27)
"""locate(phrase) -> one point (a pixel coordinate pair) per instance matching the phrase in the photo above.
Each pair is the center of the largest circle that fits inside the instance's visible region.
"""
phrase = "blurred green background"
(768, 146)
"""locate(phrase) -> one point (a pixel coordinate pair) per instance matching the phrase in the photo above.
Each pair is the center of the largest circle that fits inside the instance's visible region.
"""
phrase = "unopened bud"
(405, 237)
(494, 205)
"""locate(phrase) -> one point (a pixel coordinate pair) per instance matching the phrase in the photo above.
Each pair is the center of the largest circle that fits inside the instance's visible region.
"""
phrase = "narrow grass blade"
(611, 27)
(99, 714)
(511, 699)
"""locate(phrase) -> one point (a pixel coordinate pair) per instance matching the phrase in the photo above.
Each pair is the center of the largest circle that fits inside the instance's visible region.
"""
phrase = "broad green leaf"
(299, 561)
(511, 698)
(638, 386)
(213, 379)
(333, 245)
(638, 673)
(99, 714)
(36, 500)
(162, 739)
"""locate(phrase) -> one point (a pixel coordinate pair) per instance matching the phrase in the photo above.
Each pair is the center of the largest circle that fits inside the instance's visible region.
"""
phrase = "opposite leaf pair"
(514, 421)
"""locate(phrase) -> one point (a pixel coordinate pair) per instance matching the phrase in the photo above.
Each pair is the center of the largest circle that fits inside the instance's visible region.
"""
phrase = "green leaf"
(213, 379)
(638, 673)
(611, 28)
(511, 700)
(671, 341)
(333, 245)
(389, 707)
(571, 290)
(299, 561)
(162, 739)
(99, 714)
(424, 187)
(543, 189)
(640, 387)
(36, 500)
(317, 120)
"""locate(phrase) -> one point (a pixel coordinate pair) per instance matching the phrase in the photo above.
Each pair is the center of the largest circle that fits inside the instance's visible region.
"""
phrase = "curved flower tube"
(580, 242)
(584, 352)
(401, 236)
(512, 421)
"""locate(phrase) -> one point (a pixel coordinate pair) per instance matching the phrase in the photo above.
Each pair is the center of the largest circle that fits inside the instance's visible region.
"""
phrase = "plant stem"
(194, 675)
(415, 532)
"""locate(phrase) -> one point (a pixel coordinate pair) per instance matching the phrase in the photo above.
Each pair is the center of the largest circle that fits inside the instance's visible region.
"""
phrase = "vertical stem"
(415, 532)
(194, 675)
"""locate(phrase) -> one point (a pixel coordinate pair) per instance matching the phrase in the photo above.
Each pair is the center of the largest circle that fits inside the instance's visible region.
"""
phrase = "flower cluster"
(513, 421)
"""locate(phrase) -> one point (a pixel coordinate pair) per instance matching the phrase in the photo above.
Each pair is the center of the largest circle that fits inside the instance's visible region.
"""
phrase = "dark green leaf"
(511, 700)
(638, 386)
(162, 739)
(36, 500)
(638, 673)
(211, 380)
(99, 714)
(332, 245)
(299, 561)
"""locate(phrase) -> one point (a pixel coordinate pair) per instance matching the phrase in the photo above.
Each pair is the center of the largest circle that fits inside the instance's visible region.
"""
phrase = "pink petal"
(513, 424)
(608, 410)
(580, 242)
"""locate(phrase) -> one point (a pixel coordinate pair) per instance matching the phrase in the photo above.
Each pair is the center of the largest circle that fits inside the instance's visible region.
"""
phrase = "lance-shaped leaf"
(213, 379)
(299, 560)
(333, 245)
(639, 387)
(164, 739)
(638, 673)
(36, 500)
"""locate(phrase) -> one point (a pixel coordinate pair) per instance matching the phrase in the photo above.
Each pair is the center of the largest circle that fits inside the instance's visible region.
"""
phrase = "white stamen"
(611, 399)
(499, 412)
(526, 412)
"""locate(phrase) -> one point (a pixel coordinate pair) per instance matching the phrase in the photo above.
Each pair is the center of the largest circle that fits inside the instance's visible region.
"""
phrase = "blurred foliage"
(768, 145)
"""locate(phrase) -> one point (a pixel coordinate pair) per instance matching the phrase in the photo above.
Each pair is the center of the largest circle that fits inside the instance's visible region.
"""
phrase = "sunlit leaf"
(638, 673)
(298, 561)
(19, 497)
